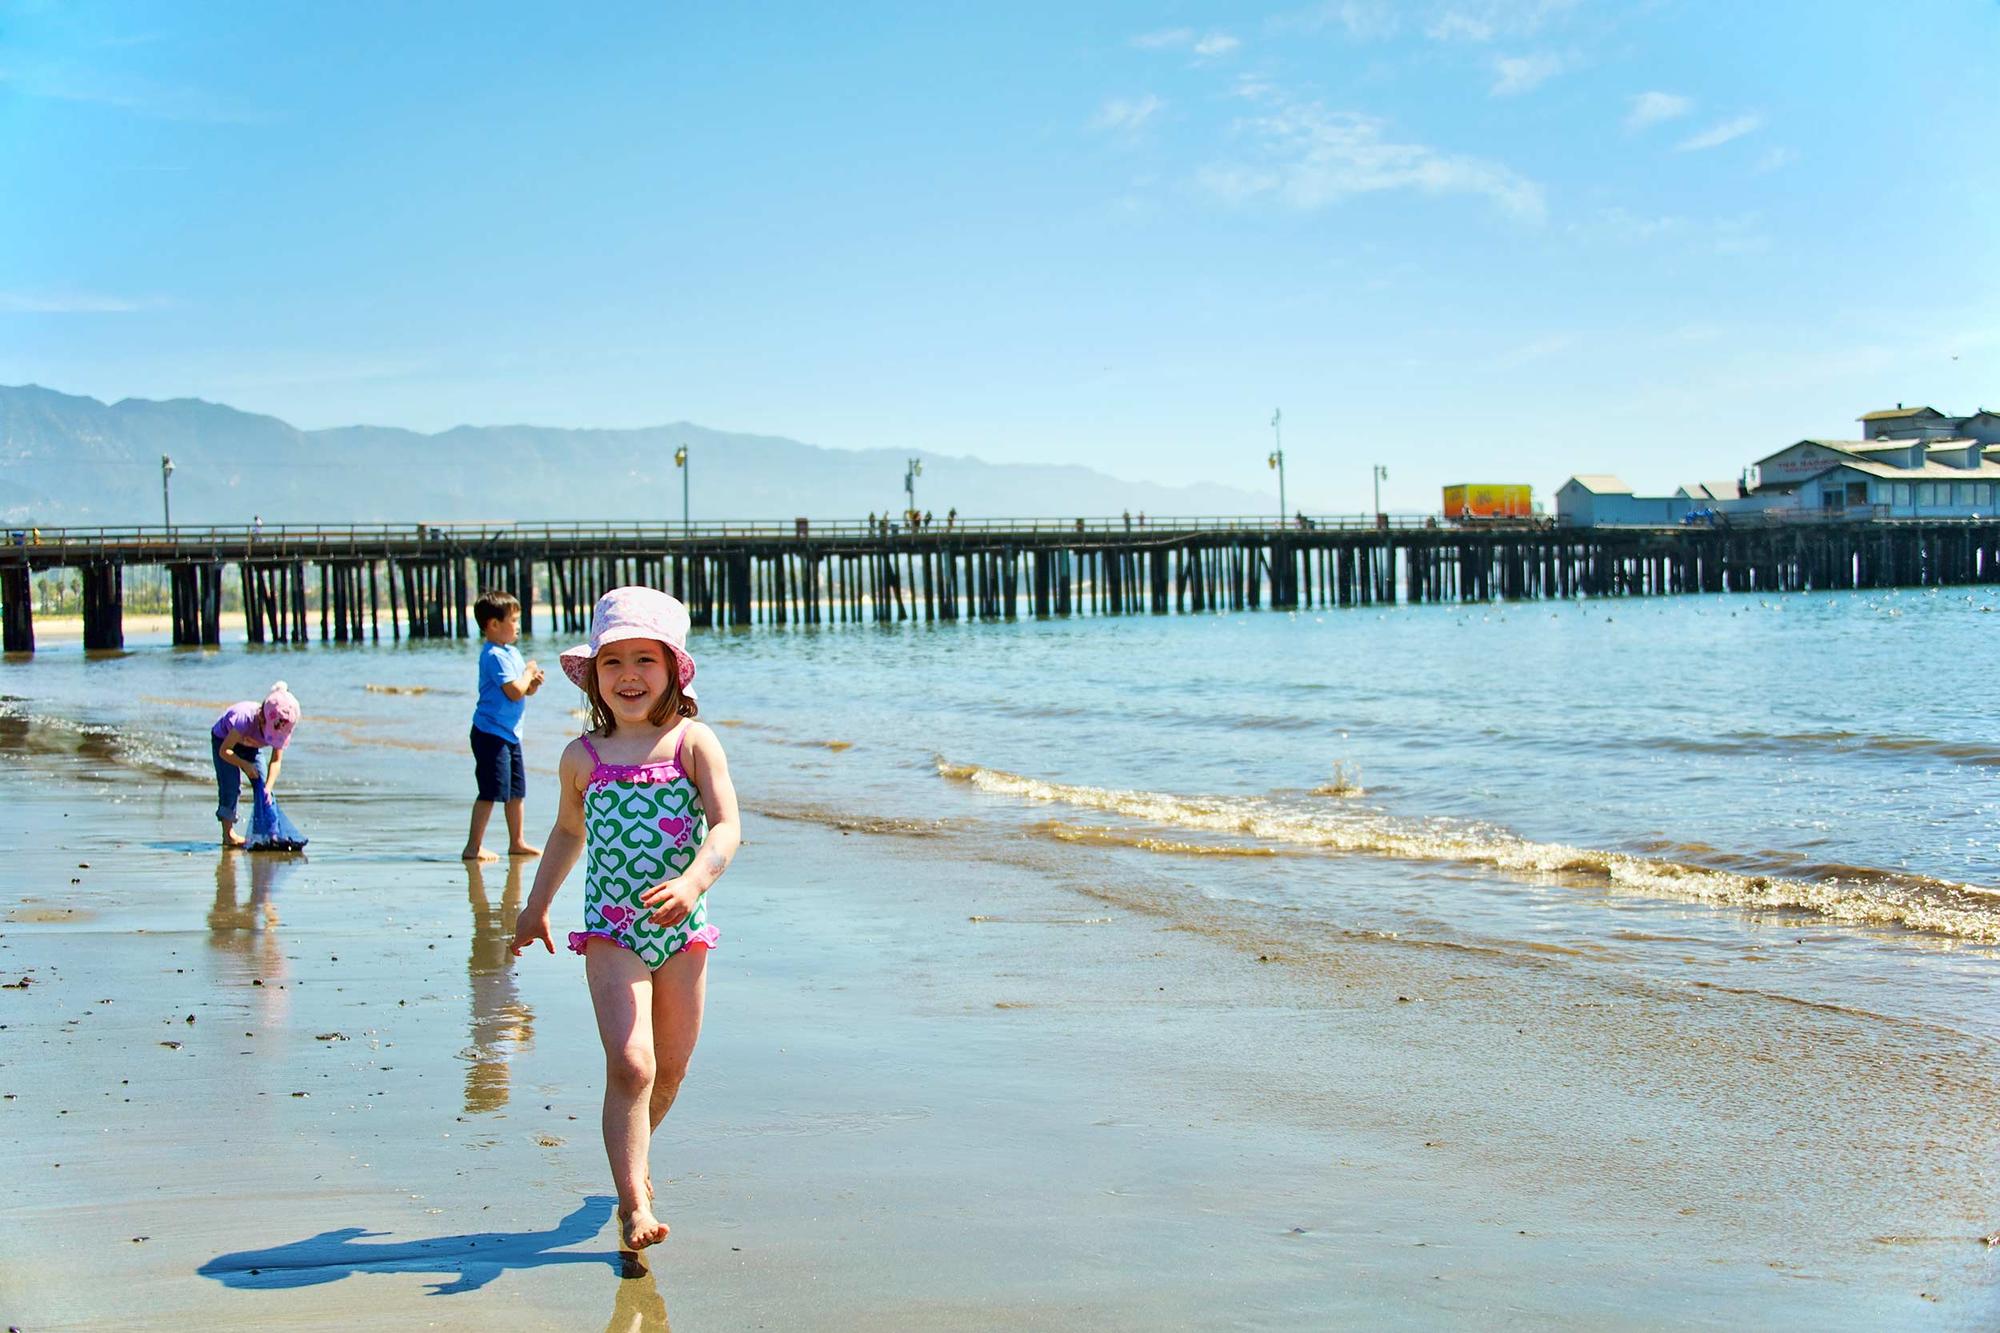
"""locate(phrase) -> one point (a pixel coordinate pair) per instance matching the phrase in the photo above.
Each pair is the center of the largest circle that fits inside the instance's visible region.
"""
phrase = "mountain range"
(67, 460)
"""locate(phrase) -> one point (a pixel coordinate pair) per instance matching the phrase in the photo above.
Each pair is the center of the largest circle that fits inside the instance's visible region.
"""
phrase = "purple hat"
(634, 613)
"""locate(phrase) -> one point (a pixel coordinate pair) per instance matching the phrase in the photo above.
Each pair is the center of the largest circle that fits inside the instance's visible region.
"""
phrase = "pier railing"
(48, 542)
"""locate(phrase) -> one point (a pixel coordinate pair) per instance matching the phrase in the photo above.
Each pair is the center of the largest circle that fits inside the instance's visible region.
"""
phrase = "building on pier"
(1927, 423)
(1912, 463)
(1600, 500)
(1912, 476)
(1713, 492)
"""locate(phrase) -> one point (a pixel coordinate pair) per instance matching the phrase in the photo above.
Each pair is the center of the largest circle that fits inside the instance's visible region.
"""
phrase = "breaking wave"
(1856, 895)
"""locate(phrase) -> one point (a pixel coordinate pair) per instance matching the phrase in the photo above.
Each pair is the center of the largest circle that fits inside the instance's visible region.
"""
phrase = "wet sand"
(933, 1093)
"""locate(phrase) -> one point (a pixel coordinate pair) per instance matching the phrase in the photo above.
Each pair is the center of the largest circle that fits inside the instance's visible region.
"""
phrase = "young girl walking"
(646, 791)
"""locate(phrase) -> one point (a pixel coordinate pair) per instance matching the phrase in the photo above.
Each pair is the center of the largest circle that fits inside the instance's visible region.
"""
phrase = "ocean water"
(1728, 769)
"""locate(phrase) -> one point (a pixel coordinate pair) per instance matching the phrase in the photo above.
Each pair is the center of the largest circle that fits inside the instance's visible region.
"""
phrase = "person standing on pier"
(506, 680)
(235, 741)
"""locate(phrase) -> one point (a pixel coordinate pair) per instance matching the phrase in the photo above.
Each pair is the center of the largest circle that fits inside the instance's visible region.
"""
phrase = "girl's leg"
(680, 989)
(621, 993)
(228, 785)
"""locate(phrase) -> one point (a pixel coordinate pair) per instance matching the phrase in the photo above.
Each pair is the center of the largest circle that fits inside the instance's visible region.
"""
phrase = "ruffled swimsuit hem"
(706, 938)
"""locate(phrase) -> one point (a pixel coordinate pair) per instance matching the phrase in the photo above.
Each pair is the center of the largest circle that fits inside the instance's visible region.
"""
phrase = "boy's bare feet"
(524, 849)
(640, 1228)
(478, 854)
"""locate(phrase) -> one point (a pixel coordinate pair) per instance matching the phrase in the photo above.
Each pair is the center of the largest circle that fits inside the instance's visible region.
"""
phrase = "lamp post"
(910, 475)
(166, 500)
(681, 462)
(1381, 475)
(1277, 459)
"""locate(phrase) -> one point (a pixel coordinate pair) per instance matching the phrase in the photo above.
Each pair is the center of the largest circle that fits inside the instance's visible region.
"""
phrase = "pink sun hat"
(280, 711)
(634, 613)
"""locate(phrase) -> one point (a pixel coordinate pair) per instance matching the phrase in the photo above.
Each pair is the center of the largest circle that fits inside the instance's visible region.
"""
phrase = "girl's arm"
(559, 852)
(229, 755)
(709, 769)
(271, 774)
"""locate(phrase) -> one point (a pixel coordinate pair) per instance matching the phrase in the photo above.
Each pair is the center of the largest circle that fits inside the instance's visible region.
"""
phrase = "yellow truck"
(1474, 501)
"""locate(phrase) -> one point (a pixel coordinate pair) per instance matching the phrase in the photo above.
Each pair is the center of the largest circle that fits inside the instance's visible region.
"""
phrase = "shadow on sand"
(468, 1260)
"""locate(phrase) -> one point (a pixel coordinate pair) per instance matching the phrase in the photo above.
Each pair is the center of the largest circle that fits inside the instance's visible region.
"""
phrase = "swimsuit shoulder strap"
(595, 758)
(679, 741)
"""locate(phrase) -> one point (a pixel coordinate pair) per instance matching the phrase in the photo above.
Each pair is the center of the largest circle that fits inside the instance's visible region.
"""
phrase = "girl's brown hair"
(673, 704)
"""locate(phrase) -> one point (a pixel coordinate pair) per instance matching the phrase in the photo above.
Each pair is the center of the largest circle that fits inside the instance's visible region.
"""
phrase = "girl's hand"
(529, 927)
(670, 902)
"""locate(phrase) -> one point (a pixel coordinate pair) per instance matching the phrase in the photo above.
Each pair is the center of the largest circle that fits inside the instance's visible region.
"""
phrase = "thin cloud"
(1775, 159)
(1535, 349)
(1486, 20)
(1654, 107)
(1253, 87)
(71, 303)
(1128, 115)
(73, 83)
(1363, 20)
(1514, 75)
(1455, 26)
(1308, 157)
(1475, 21)
(1742, 234)
(1203, 46)
(1719, 134)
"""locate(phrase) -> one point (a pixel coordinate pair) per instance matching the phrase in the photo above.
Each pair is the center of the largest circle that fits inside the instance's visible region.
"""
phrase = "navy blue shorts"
(496, 762)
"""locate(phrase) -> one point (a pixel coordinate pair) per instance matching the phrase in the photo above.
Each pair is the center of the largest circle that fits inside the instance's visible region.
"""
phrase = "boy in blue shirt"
(505, 682)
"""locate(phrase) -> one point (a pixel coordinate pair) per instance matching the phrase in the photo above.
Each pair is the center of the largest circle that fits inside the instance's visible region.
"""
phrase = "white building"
(1597, 500)
(1927, 423)
(1918, 475)
(1910, 462)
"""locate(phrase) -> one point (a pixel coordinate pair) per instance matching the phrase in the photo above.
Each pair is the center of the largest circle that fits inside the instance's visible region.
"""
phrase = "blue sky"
(1467, 239)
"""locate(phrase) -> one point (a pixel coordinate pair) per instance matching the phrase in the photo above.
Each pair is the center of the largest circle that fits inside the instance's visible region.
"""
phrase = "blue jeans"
(229, 778)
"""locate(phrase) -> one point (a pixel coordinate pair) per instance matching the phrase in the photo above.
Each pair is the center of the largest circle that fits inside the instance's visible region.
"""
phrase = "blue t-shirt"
(497, 714)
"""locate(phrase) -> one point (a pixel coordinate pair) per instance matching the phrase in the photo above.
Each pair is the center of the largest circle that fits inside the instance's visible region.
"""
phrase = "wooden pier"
(422, 579)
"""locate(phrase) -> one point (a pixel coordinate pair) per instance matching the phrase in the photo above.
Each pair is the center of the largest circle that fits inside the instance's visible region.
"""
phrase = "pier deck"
(423, 578)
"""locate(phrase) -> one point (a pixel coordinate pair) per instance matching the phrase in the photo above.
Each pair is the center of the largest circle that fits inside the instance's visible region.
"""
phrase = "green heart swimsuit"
(645, 825)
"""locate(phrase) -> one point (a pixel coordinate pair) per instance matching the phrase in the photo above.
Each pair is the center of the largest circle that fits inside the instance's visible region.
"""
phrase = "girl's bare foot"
(524, 849)
(641, 1228)
(477, 854)
(232, 840)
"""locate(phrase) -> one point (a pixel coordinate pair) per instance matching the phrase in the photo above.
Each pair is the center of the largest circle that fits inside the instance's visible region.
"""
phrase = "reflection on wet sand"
(250, 927)
(501, 1022)
(639, 1308)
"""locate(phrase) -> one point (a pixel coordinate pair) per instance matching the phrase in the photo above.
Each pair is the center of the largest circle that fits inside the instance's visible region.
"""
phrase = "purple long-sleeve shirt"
(247, 718)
